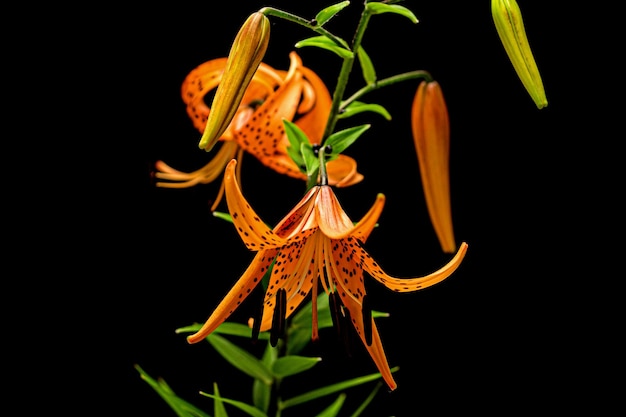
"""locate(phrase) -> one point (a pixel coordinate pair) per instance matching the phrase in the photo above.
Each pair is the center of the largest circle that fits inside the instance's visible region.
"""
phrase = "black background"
(532, 194)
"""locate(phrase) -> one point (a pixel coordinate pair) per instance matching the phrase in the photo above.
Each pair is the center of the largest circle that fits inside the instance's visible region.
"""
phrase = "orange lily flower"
(315, 243)
(298, 95)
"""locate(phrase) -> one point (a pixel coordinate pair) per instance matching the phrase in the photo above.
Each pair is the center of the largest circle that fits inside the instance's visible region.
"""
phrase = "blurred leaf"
(218, 405)
(290, 365)
(181, 407)
(358, 107)
(325, 43)
(310, 159)
(333, 409)
(327, 13)
(240, 358)
(367, 401)
(246, 408)
(367, 67)
(229, 328)
(330, 389)
(296, 137)
(223, 216)
(344, 138)
(379, 8)
(261, 392)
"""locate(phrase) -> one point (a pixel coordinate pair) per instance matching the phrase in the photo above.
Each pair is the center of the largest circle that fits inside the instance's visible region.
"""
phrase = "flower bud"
(244, 58)
(510, 27)
(430, 126)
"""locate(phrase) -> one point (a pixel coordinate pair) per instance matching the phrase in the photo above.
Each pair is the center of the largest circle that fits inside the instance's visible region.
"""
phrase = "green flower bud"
(508, 20)
(244, 58)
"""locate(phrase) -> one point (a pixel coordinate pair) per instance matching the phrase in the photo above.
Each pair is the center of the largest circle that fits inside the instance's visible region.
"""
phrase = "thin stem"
(384, 83)
(270, 11)
(344, 74)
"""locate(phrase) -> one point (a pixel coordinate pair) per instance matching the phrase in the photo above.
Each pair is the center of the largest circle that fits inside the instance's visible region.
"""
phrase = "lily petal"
(253, 231)
(332, 220)
(411, 284)
(365, 226)
(244, 286)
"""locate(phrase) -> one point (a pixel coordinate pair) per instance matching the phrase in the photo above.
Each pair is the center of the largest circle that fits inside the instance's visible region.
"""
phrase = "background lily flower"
(316, 242)
(297, 95)
(430, 126)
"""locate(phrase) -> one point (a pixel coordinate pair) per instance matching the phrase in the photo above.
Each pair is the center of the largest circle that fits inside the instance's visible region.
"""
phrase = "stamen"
(366, 312)
(278, 319)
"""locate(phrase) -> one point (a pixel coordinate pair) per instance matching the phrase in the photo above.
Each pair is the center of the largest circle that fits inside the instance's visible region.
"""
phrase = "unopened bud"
(244, 58)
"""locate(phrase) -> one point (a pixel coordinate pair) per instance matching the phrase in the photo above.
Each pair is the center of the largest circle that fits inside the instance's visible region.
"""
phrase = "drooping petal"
(332, 220)
(253, 231)
(365, 226)
(264, 131)
(294, 271)
(238, 293)
(431, 134)
(208, 173)
(342, 172)
(352, 291)
(411, 284)
(300, 218)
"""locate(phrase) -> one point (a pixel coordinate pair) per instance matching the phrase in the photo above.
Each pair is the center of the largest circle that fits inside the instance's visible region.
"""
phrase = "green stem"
(270, 11)
(384, 83)
(344, 74)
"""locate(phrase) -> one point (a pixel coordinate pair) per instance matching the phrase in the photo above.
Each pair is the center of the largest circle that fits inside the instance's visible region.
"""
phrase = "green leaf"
(218, 405)
(311, 162)
(326, 43)
(367, 67)
(327, 13)
(358, 107)
(379, 8)
(330, 389)
(296, 137)
(181, 407)
(240, 358)
(367, 401)
(291, 365)
(344, 138)
(246, 408)
(333, 409)
(223, 216)
(261, 392)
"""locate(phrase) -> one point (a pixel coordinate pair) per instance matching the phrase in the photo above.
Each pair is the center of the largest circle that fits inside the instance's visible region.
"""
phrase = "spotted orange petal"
(412, 284)
(253, 231)
(237, 294)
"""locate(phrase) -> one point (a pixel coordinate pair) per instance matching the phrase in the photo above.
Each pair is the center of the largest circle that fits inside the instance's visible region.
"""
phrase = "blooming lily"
(298, 95)
(315, 243)
(430, 126)
(507, 18)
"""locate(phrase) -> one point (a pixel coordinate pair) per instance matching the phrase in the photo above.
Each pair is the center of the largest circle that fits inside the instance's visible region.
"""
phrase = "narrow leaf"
(218, 405)
(296, 137)
(291, 365)
(333, 409)
(359, 107)
(246, 408)
(367, 67)
(379, 8)
(325, 43)
(331, 389)
(344, 138)
(327, 13)
(240, 358)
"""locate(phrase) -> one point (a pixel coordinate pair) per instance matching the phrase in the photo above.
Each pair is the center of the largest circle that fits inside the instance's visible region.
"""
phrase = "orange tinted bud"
(431, 133)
